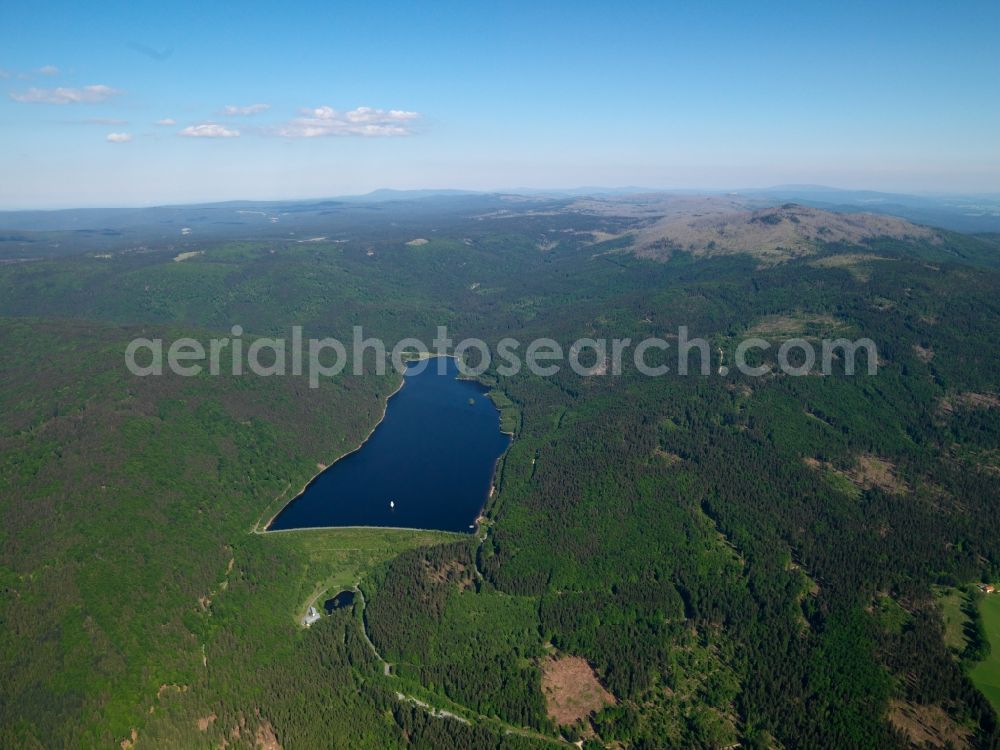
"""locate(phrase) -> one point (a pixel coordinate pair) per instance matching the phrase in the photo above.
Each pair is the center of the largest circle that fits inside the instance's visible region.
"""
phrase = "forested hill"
(704, 561)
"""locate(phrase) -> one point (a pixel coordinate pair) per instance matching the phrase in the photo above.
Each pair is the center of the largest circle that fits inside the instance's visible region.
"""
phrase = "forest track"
(441, 713)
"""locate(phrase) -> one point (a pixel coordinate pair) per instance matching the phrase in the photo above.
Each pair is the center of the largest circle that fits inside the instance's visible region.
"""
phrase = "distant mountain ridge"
(659, 222)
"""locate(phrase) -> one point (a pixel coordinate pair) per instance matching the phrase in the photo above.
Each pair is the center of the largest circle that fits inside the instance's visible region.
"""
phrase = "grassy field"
(986, 674)
(955, 620)
(339, 557)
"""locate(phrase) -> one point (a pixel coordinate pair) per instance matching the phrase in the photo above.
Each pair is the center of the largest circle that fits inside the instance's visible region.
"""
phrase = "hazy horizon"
(191, 104)
(581, 190)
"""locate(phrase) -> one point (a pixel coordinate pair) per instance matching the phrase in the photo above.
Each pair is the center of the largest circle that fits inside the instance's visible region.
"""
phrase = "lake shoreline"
(413, 363)
(461, 534)
(385, 410)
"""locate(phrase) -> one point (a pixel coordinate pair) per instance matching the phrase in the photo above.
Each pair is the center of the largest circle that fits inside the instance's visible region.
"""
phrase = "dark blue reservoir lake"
(428, 465)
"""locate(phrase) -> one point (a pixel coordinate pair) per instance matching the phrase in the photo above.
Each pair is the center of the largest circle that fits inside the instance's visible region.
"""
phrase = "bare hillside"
(772, 234)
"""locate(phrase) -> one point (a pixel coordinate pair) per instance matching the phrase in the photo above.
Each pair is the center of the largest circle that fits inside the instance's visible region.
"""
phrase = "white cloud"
(364, 121)
(166, 121)
(251, 109)
(209, 130)
(61, 95)
(119, 137)
(49, 70)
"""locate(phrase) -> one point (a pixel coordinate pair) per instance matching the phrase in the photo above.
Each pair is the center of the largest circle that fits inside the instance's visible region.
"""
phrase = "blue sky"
(883, 95)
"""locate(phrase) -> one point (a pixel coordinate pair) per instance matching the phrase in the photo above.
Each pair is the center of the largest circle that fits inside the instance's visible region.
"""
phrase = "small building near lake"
(312, 615)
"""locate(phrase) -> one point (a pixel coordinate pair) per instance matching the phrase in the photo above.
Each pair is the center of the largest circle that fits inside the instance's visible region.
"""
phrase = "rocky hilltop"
(773, 234)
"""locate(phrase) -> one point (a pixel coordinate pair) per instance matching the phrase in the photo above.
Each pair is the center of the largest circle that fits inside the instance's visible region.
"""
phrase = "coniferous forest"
(725, 560)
